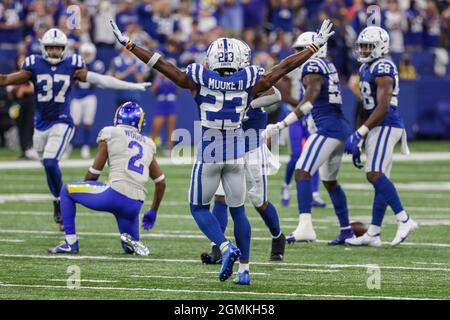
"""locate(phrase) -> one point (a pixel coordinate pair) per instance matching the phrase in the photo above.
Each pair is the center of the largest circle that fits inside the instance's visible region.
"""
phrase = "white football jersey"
(129, 158)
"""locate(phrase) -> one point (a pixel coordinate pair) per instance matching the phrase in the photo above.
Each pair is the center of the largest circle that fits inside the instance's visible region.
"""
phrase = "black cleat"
(57, 214)
(214, 257)
(278, 245)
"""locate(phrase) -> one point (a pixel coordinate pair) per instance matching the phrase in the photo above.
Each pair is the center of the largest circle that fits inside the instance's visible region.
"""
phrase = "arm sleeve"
(266, 100)
(109, 82)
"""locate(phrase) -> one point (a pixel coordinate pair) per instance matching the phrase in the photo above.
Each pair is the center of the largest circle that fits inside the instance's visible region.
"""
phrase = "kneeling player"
(130, 157)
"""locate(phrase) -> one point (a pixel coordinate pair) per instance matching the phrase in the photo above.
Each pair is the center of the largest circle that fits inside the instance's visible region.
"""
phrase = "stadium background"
(181, 30)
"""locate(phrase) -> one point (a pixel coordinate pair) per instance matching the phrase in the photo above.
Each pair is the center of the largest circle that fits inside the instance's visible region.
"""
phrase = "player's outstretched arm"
(270, 97)
(18, 77)
(99, 163)
(313, 83)
(109, 82)
(149, 218)
(154, 60)
(293, 61)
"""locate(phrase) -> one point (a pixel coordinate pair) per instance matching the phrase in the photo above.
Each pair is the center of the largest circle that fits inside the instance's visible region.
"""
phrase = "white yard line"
(12, 240)
(253, 273)
(85, 280)
(190, 236)
(307, 270)
(234, 293)
(160, 277)
(277, 264)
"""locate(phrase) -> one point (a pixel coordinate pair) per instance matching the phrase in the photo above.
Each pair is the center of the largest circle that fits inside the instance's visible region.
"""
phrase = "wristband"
(306, 107)
(290, 119)
(159, 179)
(130, 45)
(94, 171)
(363, 130)
(153, 60)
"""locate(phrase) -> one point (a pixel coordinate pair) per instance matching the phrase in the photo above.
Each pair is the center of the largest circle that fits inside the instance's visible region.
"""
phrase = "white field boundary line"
(287, 264)
(191, 236)
(35, 164)
(234, 293)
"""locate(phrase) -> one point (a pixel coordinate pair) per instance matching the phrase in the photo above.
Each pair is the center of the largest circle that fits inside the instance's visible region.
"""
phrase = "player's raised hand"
(123, 40)
(148, 220)
(324, 33)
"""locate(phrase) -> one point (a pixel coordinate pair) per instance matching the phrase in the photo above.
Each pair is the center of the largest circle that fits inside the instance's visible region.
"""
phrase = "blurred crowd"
(182, 29)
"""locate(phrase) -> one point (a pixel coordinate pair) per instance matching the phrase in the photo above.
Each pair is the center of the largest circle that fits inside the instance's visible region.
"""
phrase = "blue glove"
(148, 220)
(356, 157)
(352, 143)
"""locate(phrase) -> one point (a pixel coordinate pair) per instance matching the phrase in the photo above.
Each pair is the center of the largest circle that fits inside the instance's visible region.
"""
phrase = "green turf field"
(419, 268)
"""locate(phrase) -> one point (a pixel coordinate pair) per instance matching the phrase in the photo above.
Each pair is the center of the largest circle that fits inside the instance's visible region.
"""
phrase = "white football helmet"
(372, 43)
(245, 53)
(53, 37)
(223, 53)
(305, 39)
(88, 52)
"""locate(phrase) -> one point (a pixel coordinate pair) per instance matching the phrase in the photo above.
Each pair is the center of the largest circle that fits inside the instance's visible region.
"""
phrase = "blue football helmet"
(130, 114)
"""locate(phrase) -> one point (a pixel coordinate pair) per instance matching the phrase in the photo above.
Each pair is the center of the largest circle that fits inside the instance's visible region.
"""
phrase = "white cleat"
(365, 240)
(403, 230)
(304, 232)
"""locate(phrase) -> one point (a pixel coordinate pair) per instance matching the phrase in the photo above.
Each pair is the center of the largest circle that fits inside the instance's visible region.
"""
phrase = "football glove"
(353, 142)
(356, 158)
(324, 33)
(123, 40)
(148, 220)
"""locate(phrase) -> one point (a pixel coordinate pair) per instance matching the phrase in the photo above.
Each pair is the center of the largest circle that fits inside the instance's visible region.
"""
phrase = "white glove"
(324, 33)
(143, 86)
(273, 128)
(123, 40)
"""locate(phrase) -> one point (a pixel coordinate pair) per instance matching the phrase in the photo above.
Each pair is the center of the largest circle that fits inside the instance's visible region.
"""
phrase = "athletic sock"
(68, 212)
(207, 223)
(339, 201)
(402, 216)
(220, 211)
(71, 238)
(315, 181)
(304, 196)
(270, 217)
(242, 231)
(290, 168)
(54, 176)
(243, 267)
(387, 189)
(374, 230)
(378, 209)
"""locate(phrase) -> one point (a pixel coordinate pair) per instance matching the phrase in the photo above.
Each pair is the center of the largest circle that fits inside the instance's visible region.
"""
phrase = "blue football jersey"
(84, 89)
(327, 110)
(52, 85)
(368, 72)
(222, 102)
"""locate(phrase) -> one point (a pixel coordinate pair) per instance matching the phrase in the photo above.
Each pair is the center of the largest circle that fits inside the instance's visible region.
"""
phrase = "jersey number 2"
(132, 163)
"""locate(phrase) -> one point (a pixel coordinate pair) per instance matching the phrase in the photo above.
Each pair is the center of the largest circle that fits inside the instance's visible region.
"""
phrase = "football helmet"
(305, 39)
(54, 38)
(88, 51)
(372, 43)
(223, 53)
(245, 53)
(130, 114)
